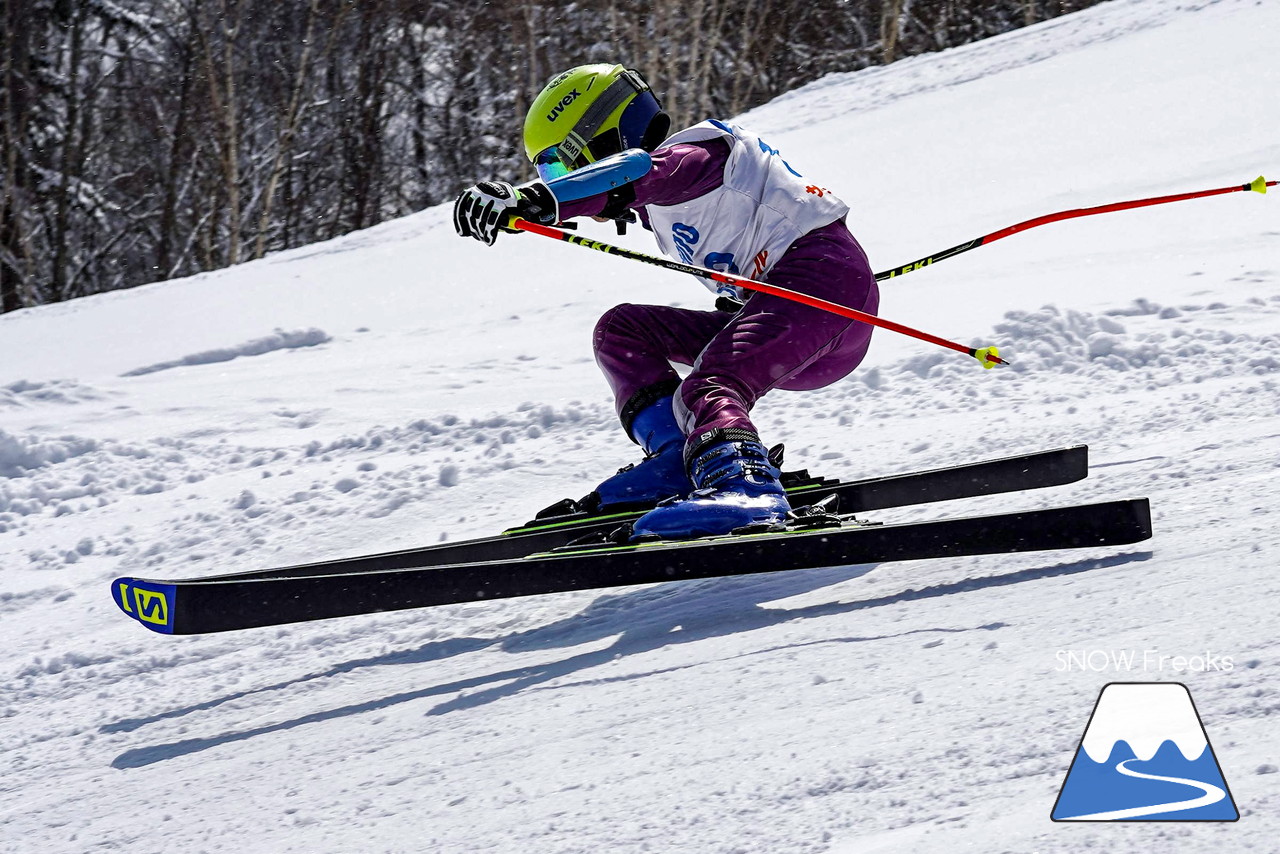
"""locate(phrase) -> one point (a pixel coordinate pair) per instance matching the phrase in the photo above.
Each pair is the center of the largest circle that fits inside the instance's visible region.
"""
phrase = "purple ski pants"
(736, 358)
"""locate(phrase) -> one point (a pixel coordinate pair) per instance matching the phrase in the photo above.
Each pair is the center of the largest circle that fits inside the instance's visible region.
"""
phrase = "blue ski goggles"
(559, 160)
(550, 166)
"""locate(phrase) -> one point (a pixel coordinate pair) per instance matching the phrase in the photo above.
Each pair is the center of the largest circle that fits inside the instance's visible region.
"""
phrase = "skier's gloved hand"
(484, 210)
(481, 210)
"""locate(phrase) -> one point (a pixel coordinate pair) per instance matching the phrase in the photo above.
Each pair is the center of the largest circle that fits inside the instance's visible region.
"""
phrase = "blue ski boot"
(661, 474)
(736, 486)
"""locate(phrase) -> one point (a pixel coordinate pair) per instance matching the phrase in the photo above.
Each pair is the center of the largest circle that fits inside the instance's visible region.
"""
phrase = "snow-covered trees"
(146, 139)
(60, 215)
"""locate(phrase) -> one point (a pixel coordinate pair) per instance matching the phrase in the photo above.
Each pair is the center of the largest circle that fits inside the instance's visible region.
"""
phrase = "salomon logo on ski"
(149, 603)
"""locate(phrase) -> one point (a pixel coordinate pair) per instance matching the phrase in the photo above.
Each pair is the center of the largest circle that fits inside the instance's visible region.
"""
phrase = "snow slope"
(399, 386)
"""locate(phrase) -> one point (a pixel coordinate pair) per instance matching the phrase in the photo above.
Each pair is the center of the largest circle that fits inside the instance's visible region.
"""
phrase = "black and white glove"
(485, 209)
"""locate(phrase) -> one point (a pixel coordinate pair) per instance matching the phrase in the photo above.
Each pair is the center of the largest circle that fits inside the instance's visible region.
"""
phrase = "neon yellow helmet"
(590, 112)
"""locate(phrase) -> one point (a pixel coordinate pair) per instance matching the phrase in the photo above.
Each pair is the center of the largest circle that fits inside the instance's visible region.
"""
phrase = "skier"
(717, 196)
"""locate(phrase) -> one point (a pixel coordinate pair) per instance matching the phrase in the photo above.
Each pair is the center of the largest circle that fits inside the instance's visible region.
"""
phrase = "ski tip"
(149, 602)
(1260, 184)
(989, 357)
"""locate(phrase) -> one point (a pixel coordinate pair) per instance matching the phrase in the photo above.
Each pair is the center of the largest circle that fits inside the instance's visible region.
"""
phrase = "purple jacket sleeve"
(680, 172)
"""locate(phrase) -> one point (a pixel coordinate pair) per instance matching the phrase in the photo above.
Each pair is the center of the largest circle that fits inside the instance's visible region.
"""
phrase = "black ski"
(224, 604)
(989, 477)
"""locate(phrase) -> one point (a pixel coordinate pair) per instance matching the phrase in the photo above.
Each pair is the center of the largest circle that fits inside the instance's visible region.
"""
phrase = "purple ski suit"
(736, 357)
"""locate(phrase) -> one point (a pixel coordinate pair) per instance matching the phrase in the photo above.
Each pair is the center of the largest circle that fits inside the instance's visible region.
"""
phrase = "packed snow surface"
(399, 386)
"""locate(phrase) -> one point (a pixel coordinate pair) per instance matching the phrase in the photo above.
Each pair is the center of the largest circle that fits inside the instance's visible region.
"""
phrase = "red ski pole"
(1259, 185)
(988, 357)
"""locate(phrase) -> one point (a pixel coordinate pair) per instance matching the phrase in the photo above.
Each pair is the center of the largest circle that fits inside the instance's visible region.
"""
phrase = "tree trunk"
(11, 249)
(15, 72)
(165, 263)
(69, 168)
(889, 24)
(289, 126)
(220, 71)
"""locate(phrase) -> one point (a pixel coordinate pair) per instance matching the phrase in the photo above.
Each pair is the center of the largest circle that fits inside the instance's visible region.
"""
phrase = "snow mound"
(26, 393)
(21, 455)
(1156, 336)
(280, 340)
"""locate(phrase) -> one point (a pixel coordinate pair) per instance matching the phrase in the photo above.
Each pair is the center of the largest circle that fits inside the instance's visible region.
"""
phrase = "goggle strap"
(571, 148)
(627, 84)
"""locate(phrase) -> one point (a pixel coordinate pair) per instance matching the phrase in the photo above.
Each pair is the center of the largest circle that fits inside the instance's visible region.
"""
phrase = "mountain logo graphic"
(1145, 757)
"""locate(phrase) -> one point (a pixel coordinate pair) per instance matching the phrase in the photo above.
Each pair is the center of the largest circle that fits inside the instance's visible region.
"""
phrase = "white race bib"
(744, 226)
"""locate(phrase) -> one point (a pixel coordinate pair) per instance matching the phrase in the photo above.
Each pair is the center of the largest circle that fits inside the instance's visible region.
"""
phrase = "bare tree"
(16, 68)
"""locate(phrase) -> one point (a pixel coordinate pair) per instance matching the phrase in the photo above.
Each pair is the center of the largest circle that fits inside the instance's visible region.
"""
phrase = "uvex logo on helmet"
(564, 102)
